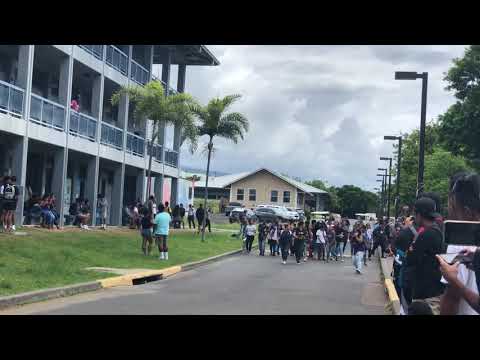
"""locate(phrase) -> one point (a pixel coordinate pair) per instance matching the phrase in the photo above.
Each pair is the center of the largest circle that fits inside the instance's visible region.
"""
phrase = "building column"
(91, 186)
(116, 207)
(140, 185)
(58, 185)
(158, 189)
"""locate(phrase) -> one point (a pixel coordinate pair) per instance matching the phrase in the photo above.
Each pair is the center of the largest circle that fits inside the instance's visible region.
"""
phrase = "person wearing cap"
(421, 261)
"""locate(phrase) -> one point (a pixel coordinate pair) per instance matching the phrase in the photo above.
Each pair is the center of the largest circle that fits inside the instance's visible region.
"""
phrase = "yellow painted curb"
(127, 280)
(392, 293)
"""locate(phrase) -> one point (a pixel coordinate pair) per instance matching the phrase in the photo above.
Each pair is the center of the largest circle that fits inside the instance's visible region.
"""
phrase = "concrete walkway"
(243, 284)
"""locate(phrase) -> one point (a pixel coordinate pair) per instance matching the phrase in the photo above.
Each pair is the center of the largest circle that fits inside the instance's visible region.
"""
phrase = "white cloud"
(320, 111)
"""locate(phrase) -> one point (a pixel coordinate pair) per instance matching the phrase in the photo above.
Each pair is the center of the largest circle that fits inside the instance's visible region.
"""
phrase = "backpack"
(9, 192)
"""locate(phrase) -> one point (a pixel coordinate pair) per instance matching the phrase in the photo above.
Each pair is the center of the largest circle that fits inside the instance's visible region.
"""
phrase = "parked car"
(269, 214)
(231, 206)
(235, 214)
(301, 214)
(293, 214)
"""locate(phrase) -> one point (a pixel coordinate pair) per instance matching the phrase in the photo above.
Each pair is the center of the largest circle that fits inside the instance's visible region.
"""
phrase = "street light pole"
(399, 165)
(381, 197)
(402, 75)
(389, 183)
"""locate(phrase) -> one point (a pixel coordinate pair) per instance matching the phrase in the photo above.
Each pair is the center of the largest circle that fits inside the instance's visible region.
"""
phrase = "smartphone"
(465, 233)
(454, 257)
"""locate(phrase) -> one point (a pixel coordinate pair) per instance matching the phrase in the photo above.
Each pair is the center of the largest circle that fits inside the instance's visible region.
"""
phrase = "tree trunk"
(210, 147)
(149, 172)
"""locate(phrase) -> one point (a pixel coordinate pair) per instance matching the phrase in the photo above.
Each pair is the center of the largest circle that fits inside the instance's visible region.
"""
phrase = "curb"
(124, 280)
(390, 287)
(42, 295)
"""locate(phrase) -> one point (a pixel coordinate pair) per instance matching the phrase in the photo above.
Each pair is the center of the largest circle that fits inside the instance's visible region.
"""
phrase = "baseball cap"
(426, 207)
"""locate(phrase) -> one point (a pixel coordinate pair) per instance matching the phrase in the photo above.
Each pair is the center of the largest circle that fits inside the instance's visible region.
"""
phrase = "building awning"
(185, 54)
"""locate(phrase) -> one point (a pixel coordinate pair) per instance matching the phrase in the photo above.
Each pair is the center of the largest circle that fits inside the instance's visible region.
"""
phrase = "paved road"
(243, 284)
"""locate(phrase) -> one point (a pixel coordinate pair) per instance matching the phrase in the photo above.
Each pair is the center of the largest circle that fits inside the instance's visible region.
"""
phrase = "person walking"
(176, 217)
(358, 245)
(274, 236)
(162, 227)
(299, 237)
(182, 216)
(379, 238)
(285, 241)
(208, 215)
(9, 193)
(262, 236)
(102, 206)
(320, 241)
(152, 205)
(250, 231)
(340, 238)
(200, 214)
(191, 216)
(331, 244)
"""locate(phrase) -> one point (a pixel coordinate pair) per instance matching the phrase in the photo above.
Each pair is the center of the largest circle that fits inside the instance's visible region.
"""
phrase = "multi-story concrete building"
(98, 148)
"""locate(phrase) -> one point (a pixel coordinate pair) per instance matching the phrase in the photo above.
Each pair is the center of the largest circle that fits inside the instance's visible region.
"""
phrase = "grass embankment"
(45, 259)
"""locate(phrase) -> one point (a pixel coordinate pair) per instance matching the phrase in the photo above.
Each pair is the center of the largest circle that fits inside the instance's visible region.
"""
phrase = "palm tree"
(151, 103)
(215, 122)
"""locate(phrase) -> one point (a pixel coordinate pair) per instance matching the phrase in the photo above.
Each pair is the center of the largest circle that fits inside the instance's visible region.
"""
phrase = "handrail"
(135, 144)
(171, 157)
(83, 125)
(110, 60)
(141, 78)
(111, 136)
(90, 49)
(6, 104)
(157, 151)
(45, 116)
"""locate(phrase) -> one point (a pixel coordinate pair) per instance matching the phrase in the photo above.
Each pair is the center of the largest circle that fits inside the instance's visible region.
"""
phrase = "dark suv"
(230, 207)
(266, 214)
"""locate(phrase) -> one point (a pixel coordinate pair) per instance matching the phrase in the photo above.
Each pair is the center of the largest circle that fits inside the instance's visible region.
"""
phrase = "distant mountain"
(202, 171)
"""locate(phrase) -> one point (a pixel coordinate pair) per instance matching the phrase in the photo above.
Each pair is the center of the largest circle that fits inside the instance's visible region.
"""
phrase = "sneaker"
(298, 262)
(342, 260)
(284, 262)
(305, 260)
(13, 227)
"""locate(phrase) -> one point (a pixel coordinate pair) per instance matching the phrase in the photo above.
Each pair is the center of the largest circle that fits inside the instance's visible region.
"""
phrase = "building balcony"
(157, 152)
(95, 50)
(117, 59)
(47, 113)
(171, 158)
(135, 145)
(112, 136)
(83, 126)
(139, 74)
(11, 99)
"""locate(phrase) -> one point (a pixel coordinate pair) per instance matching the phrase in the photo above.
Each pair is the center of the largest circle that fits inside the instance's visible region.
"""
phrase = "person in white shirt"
(320, 240)
(191, 216)
(250, 231)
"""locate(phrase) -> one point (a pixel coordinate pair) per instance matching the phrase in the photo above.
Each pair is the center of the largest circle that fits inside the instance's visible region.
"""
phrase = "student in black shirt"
(421, 257)
(299, 235)
(147, 239)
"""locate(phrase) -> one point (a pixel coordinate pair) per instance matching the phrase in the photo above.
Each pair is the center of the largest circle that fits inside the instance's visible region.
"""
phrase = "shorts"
(147, 232)
(9, 205)
(160, 239)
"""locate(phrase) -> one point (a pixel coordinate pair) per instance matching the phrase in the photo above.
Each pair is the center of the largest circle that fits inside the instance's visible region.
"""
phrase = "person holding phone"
(461, 295)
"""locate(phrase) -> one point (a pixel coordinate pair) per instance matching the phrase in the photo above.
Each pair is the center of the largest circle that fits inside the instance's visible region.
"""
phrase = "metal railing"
(172, 90)
(47, 113)
(95, 50)
(117, 59)
(112, 136)
(157, 152)
(171, 157)
(83, 125)
(139, 74)
(11, 99)
(135, 144)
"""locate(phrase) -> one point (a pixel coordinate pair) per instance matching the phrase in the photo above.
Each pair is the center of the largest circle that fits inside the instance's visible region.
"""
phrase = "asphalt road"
(243, 284)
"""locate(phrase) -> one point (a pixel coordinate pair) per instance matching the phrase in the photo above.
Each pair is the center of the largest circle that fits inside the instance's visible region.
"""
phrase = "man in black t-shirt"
(182, 216)
(421, 261)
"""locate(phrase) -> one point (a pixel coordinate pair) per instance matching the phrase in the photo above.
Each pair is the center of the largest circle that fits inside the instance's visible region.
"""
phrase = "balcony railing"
(135, 145)
(117, 59)
(95, 50)
(112, 136)
(11, 99)
(83, 125)
(172, 90)
(157, 152)
(171, 157)
(139, 74)
(47, 113)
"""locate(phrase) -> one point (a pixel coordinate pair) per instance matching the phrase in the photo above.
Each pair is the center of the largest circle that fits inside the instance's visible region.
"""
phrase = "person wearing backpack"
(9, 193)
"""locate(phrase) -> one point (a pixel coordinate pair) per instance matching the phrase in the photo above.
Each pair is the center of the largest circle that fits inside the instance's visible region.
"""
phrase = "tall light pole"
(384, 187)
(399, 164)
(406, 75)
(381, 197)
(389, 184)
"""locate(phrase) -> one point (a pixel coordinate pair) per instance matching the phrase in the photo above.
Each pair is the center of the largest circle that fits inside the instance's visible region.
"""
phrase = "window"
(240, 194)
(274, 196)
(252, 195)
(286, 196)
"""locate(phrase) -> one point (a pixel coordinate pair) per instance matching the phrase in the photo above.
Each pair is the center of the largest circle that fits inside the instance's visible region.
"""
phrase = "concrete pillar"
(140, 185)
(44, 173)
(58, 183)
(166, 79)
(174, 191)
(91, 185)
(97, 96)
(116, 206)
(19, 154)
(158, 189)
(23, 73)
(64, 81)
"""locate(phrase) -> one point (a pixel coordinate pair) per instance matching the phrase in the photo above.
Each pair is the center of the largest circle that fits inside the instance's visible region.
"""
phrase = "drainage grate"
(147, 279)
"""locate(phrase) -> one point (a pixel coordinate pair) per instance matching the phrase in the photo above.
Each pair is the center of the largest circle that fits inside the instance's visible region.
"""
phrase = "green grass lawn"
(234, 226)
(43, 259)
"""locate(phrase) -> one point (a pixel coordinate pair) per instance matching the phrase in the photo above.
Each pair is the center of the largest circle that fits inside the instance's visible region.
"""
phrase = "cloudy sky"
(320, 111)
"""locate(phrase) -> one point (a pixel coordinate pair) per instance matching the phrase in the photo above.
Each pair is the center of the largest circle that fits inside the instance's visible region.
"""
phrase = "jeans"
(261, 245)
(285, 249)
(358, 260)
(319, 249)
(299, 247)
(191, 221)
(249, 242)
(338, 250)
